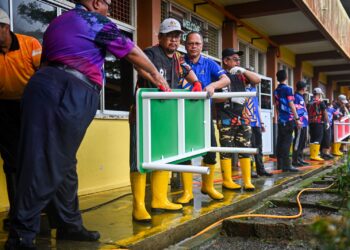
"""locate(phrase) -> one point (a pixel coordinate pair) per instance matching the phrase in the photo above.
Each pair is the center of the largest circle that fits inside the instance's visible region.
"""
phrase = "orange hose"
(271, 216)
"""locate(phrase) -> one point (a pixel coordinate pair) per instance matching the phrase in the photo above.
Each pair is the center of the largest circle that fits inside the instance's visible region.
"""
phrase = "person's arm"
(294, 111)
(262, 124)
(146, 68)
(251, 76)
(222, 82)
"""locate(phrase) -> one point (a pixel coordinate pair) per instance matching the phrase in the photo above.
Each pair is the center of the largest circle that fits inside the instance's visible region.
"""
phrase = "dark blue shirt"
(283, 96)
(206, 70)
(300, 107)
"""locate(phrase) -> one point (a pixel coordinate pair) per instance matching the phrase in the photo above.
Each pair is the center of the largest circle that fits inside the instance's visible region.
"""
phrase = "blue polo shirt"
(283, 96)
(206, 70)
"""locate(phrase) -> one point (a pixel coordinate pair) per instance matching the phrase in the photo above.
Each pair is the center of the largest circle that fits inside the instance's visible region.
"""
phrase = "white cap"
(4, 18)
(317, 91)
(169, 25)
(342, 98)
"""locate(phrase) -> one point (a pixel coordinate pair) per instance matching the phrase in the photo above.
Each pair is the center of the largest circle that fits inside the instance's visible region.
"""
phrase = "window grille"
(213, 45)
(164, 11)
(252, 59)
(121, 11)
(243, 47)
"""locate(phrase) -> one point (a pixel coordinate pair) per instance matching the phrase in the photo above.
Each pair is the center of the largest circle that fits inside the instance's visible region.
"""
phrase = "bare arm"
(145, 67)
(252, 77)
(191, 77)
(222, 82)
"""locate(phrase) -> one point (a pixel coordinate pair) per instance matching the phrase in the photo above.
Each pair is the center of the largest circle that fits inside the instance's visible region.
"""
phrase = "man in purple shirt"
(59, 103)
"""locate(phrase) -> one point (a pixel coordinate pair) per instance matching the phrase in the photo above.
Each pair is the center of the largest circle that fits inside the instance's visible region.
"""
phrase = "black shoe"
(297, 164)
(327, 156)
(82, 235)
(290, 169)
(17, 244)
(304, 163)
(264, 173)
(254, 175)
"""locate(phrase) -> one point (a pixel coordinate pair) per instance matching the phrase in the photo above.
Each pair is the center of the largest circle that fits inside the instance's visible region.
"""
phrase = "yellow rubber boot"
(336, 149)
(138, 187)
(187, 195)
(314, 151)
(208, 184)
(226, 170)
(246, 173)
(159, 188)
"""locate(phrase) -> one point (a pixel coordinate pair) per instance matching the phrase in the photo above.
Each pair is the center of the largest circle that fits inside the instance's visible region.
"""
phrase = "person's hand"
(299, 124)
(210, 90)
(197, 86)
(160, 82)
(263, 129)
(327, 125)
(238, 100)
(236, 70)
(164, 89)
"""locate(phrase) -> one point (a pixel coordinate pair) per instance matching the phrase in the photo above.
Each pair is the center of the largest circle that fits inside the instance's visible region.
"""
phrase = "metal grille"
(121, 11)
(213, 45)
(164, 11)
(242, 47)
(252, 59)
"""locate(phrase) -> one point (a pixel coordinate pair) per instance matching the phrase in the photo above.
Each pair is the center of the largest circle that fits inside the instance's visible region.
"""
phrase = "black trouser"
(57, 110)
(10, 113)
(316, 132)
(327, 138)
(284, 140)
(257, 143)
(299, 142)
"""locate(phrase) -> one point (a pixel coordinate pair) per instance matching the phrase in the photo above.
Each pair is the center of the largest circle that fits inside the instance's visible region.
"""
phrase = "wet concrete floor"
(114, 220)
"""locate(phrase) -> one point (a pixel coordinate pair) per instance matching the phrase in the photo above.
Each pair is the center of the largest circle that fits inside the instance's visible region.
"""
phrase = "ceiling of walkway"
(287, 25)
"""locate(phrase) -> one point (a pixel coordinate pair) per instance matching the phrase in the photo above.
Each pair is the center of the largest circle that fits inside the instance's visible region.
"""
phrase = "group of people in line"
(297, 115)
(49, 95)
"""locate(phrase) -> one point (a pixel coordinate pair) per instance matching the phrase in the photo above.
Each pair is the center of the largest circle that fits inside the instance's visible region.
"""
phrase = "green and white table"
(173, 127)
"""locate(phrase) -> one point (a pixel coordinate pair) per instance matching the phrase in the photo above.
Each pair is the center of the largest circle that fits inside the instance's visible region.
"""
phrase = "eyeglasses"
(235, 59)
(171, 35)
(109, 4)
(193, 44)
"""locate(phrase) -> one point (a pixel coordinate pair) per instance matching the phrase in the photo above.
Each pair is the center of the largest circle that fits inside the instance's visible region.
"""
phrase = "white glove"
(239, 100)
(237, 69)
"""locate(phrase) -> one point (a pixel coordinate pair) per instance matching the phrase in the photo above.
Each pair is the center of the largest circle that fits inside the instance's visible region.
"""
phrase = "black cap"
(281, 75)
(230, 51)
(301, 85)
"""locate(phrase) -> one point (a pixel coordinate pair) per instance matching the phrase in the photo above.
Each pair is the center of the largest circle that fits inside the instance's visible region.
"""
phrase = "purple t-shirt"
(79, 39)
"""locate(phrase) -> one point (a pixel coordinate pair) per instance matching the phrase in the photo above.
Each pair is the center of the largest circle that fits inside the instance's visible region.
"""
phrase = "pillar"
(229, 35)
(148, 22)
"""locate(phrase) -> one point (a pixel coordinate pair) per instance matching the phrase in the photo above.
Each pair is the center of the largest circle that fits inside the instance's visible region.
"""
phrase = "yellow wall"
(307, 69)
(103, 159)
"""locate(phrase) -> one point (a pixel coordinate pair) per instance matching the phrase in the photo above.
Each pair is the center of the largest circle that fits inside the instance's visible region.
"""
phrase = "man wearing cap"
(212, 77)
(19, 59)
(340, 106)
(59, 103)
(318, 121)
(287, 118)
(172, 66)
(233, 118)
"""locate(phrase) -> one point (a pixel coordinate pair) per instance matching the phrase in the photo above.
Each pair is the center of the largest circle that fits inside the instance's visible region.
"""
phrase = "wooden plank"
(302, 37)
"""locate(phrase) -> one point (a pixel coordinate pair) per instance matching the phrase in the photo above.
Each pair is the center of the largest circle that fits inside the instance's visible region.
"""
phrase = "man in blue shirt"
(212, 77)
(300, 134)
(287, 119)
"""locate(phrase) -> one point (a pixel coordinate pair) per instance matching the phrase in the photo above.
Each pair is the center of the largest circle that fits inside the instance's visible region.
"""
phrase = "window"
(31, 17)
(192, 22)
(252, 58)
